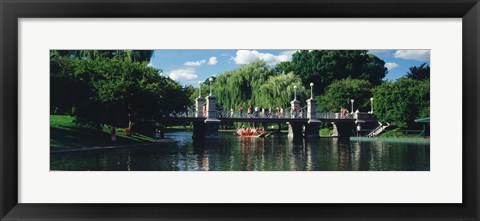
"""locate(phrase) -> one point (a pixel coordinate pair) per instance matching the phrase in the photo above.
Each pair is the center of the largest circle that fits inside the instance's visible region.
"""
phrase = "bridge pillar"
(295, 130)
(313, 126)
(345, 129)
(212, 122)
(198, 130)
(311, 109)
(199, 102)
(312, 129)
(211, 107)
(265, 126)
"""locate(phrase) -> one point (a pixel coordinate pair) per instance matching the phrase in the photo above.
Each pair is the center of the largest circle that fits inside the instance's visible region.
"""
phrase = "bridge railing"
(302, 114)
(188, 113)
(260, 115)
(330, 115)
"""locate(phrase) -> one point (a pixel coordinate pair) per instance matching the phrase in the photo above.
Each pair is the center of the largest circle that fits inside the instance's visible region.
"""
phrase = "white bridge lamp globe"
(352, 105)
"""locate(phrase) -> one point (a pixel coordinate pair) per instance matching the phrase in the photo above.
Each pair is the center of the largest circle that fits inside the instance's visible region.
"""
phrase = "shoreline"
(171, 140)
(91, 148)
(392, 139)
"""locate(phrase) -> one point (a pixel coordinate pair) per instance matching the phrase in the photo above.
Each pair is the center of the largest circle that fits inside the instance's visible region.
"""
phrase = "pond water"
(232, 153)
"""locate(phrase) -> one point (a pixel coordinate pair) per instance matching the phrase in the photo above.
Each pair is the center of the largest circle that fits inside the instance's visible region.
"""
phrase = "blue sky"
(190, 66)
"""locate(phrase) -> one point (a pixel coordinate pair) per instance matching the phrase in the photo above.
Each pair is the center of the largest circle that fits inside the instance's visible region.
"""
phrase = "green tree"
(283, 67)
(134, 55)
(421, 72)
(402, 102)
(339, 93)
(253, 84)
(322, 67)
(114, 86)
(65, 90)
(242, 85)
(278, 91)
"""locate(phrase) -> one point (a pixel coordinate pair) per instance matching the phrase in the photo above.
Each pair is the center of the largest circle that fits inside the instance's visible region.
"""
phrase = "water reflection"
(231, 153)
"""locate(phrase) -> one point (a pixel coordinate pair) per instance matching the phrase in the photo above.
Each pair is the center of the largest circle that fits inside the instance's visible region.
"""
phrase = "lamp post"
(200, 89)
(371, 105)
(311, 90)
(352, 104)
(295, 92)
(210, 80)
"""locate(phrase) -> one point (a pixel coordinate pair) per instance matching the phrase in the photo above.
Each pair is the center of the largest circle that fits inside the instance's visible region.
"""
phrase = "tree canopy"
(402, 102)
(256, 84)
(421, 72)
(340, 93)
(278, 91)
(323, 67)
(108, 86)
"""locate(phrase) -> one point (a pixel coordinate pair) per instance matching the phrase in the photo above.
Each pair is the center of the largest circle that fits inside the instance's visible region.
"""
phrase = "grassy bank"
(64, 133)
(392, 139)
(325, 132)
(397, 133)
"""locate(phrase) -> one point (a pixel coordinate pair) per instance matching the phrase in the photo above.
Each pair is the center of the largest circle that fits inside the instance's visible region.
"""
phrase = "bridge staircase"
(381, 127)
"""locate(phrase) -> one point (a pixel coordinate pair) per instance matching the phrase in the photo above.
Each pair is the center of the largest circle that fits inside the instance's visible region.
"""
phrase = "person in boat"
(251, 131)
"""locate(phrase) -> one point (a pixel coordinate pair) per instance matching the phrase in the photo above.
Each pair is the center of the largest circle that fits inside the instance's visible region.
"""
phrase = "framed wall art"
(256, 110)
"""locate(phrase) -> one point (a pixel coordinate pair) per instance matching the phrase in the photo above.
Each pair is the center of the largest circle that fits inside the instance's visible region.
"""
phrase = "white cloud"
(288, 52)
(421, 55)
(194, 63)
(381, 52)
(391, 65)
(247, 56)
(212, 61)
(183, 73)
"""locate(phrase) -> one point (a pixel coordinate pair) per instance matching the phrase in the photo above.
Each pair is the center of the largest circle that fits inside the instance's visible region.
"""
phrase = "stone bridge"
(302, 122)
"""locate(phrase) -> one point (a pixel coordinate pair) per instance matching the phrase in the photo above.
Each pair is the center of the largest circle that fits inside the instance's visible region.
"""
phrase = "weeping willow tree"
(278, 91)
(255, 84)
(241, 87)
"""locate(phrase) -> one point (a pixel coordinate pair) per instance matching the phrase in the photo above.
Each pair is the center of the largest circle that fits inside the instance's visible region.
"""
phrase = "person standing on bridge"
(249, 111)
(256, 111)
(204, 110)
(231, 112)
(241, 110)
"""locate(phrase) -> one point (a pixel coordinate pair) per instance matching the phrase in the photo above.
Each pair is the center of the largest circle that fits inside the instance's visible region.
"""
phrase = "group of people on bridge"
(260, 112)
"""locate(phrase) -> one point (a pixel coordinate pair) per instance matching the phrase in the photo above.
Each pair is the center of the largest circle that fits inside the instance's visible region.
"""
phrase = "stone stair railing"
(378, 130)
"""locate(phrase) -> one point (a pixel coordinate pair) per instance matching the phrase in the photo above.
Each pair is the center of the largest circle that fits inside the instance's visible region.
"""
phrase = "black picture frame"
(12, 10)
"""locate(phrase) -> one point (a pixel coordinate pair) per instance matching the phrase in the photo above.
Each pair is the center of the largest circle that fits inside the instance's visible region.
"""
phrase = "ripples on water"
(232, 153)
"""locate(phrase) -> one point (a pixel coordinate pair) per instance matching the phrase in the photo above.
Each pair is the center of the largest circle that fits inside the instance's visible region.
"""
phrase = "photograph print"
(240, 110)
